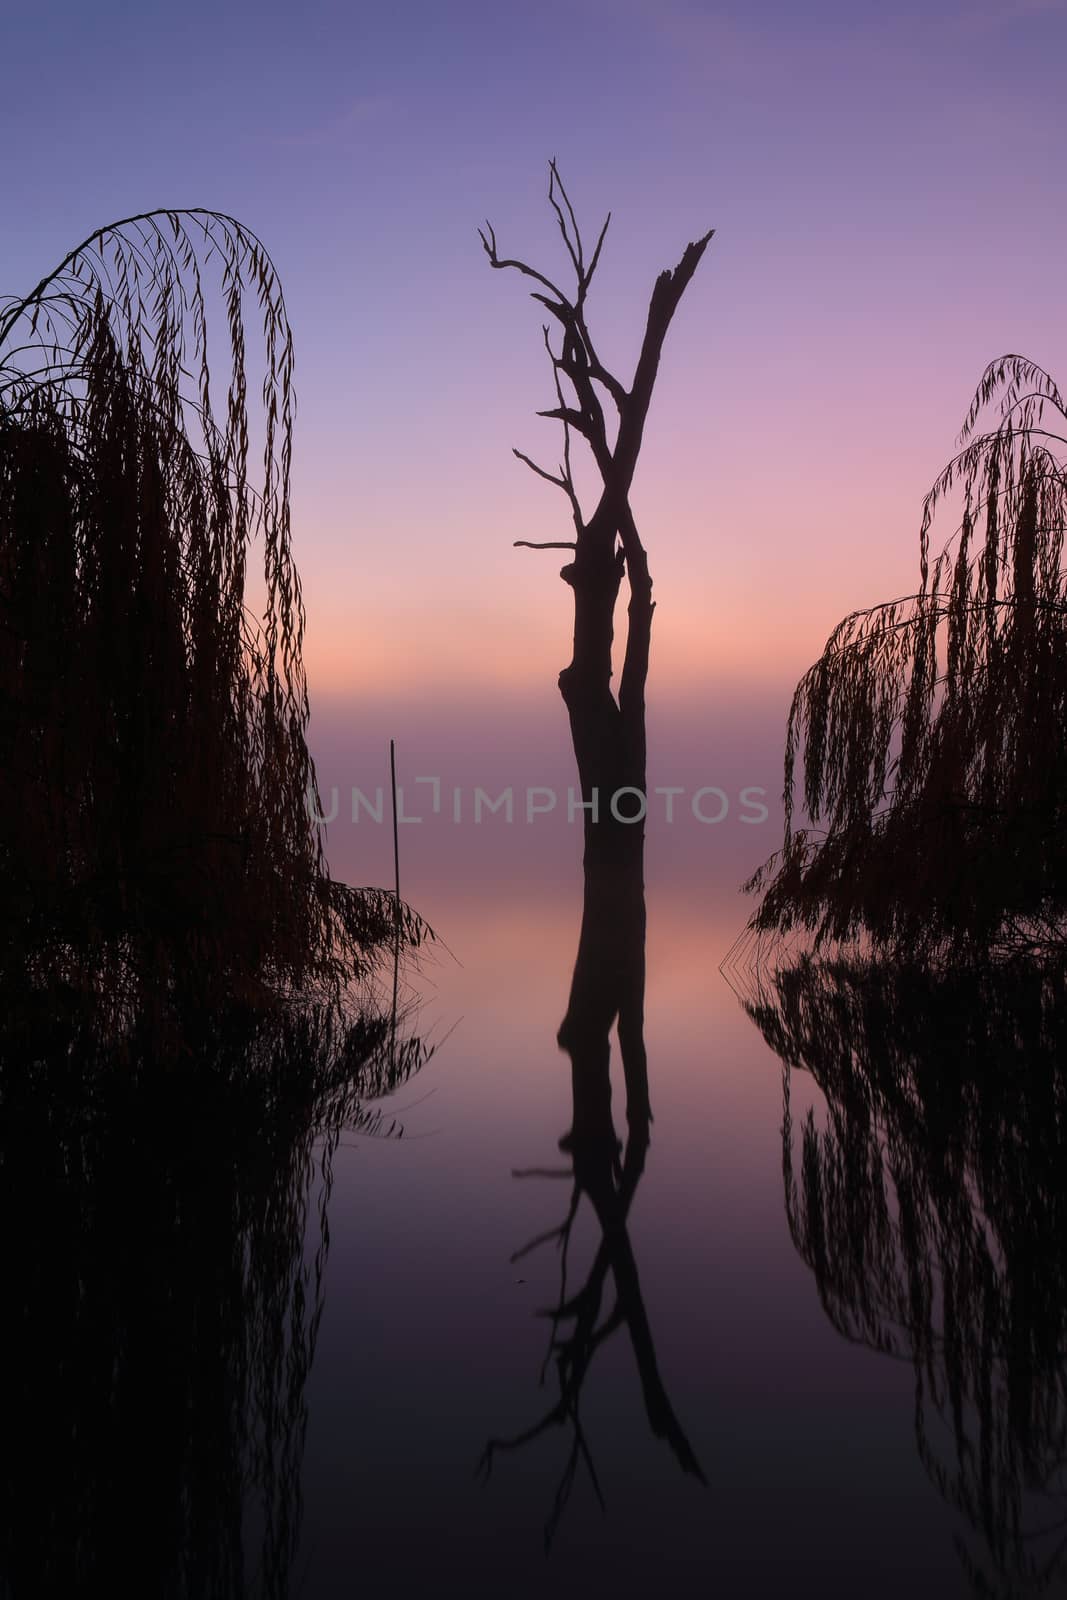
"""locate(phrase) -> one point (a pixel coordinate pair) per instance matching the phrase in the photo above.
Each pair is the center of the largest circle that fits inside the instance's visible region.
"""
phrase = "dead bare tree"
(608, 733)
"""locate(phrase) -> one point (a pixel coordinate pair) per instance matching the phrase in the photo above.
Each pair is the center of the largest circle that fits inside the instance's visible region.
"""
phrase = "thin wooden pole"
(396, 833)
(396, 889)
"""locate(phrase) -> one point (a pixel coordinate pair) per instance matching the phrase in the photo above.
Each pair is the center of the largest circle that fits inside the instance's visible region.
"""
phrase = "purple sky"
(887, 188)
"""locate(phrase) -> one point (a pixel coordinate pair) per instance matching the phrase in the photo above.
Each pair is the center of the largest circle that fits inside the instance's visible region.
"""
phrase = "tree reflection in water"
(929, 1200)
(163, 1299)
(607, 990)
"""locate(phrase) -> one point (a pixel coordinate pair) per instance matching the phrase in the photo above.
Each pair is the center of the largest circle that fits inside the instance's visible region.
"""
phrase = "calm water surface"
(433, 1338)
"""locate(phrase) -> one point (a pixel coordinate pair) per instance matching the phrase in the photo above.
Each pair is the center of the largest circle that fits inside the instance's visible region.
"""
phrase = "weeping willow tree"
(928, 1197)
(155, 783)
(931, 729)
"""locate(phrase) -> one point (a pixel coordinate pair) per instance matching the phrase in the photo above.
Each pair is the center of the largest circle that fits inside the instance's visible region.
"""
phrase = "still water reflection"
(258, 1355)
(931, 1207)
(607, 990)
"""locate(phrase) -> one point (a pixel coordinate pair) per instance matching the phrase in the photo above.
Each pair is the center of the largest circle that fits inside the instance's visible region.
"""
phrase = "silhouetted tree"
(608, 733)
(929, 1199)
(932, 728)
(155, 783)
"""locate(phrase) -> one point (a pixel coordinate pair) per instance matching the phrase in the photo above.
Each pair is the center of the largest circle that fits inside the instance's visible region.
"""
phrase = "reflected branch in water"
(607, 990)
(929, 1199)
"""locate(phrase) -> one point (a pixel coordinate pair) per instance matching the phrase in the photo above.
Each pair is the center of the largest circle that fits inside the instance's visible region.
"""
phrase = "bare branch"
(549, 477)
(579, 360)
(580, 364)
(536, 1243)
(566, 475)
(562, 313)
(668, 291)
(562, 1233)
(599, 372)
(489, 246)
(567, 414)
(573, 250)
(596, 252)
(552, 544)
(597, 369)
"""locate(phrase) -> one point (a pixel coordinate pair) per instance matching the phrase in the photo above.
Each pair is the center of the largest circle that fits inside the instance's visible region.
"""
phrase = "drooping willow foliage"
(931, 731)
(155, 784)
(928, 1197)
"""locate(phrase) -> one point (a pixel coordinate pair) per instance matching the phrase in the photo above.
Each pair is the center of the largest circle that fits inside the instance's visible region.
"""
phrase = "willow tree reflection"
(930, 1202)
(163, 1291)
(607, 990)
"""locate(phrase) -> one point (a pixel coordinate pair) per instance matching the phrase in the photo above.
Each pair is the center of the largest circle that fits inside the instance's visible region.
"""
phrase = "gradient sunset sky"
(886, 182)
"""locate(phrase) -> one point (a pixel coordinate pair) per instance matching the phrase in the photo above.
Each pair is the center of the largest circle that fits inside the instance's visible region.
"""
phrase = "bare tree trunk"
(608, 733)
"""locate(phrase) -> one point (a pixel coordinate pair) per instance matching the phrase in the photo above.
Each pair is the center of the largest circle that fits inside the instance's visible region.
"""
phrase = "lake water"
(432, 1344)
(837, 1360)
